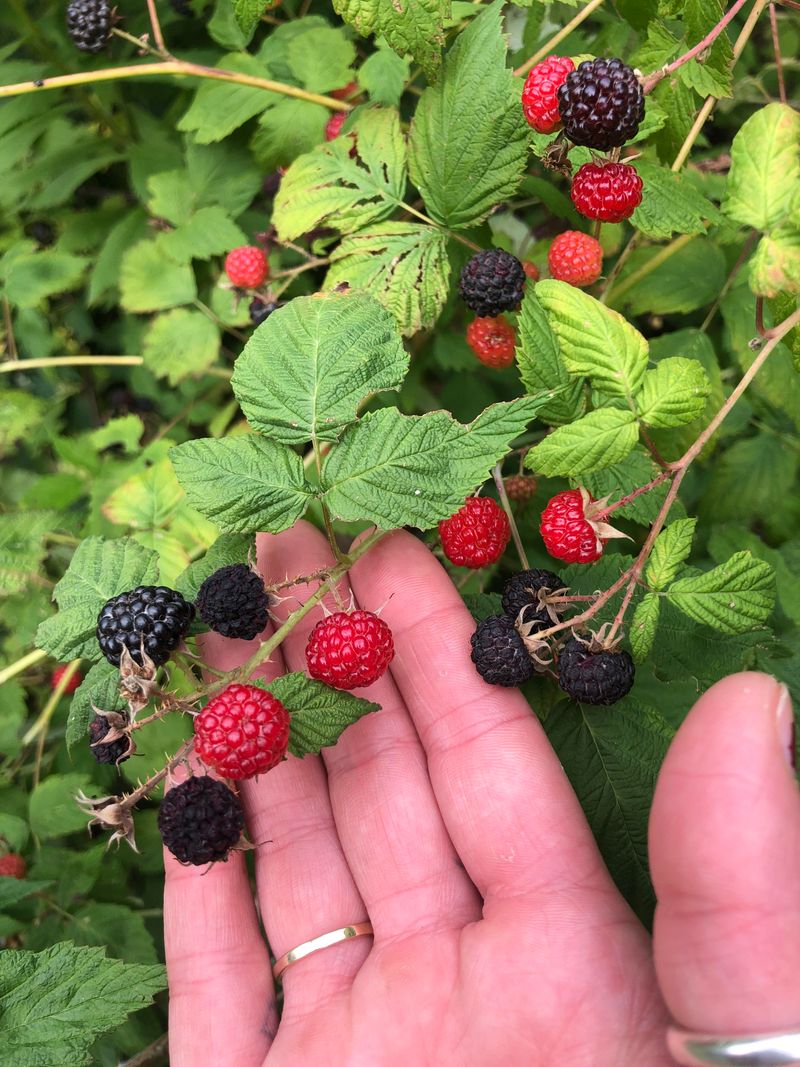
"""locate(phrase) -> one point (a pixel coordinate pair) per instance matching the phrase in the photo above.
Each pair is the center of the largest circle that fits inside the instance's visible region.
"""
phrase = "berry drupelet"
(493, 341)
(477, 534)
(233, 602)
(242, 732)
(602, 677)
(150, 617)
(610, 192)
(200, 820)
(575, 258)
(89, 24)
(540, 93)
(521, 594)
(499, 653)
(601, 104)
(114, 752)
(348, 650)
(492, 282)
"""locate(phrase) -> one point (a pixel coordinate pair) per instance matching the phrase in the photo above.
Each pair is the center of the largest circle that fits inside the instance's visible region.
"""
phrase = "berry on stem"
(12, 865)
(594, 677)
(520, 488)
(609, 192)
(233, 602)
(89, 24)
(499, 653)
(150, 617)
(344, 92)
(567, 528)
(200, 820)
(59, 673)
(333, 127)
(601, 104)
(247, 267)
(576, 258)
(477, 534)
(493, 341)
(491, 282)
(348, 650)
(242, 732)
(540, 93)
(114, 752)
(521, 593)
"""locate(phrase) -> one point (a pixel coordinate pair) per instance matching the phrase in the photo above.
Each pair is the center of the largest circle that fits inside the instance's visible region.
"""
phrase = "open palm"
(447, 820)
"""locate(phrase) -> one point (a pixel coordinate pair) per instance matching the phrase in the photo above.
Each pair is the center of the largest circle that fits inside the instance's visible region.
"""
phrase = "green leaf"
(775, 267)
(397, 470)
(219, 108)
(14, 712)
(248, 13)
(691, 277)
(753, 478)
(711, 75)
(244, 483)
(765, 167)
(402, 264)
(22, 547)
(20, 414)
(227, 549)
(321, 58)
(12, 890)
(318, 715)
(32, 278)
(674, 393)
(595, 341)
(670, 204)
(209, 232)
(541, 366)
(180, 344)
(644, 625)
(50, 1002)
(288, 130)
(671, 549)
(146, 500)
(305, 372)
(597, 440)
(383, 76)
(168, 199)
(482, 605)
(52, 809)
(150, 280)
(326, 187)
(733, 598)
(99, 689)
(468, 146)
(416, 27)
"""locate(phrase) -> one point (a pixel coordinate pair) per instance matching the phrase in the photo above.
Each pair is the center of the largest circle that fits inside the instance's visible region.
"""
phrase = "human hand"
(447, 819)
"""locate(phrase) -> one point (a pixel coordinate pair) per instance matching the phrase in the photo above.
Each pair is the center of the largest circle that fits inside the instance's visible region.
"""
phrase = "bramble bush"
(240, 245)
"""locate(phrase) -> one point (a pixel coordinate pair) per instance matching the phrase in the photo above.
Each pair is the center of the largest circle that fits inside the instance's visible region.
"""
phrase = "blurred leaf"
(765, 167)
(52, 808)
(151, 280)
(180, 344)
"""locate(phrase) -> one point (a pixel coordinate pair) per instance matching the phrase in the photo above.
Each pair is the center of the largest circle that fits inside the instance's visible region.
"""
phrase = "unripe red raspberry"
(540, 93)
(477, 534)
(59, 673)
(567, 532)
(531, 270)
(349, 650)
(333, 127)
(344, 92)
(520, 487)
(610, 192)
(493, 341)
(247, 267)
(242, 732)
(12, 865)
(576, 258)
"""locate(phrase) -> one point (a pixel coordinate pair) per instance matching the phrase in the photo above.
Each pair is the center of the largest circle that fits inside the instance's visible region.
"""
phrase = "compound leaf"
(734, 597)
(674, 393)
(599, 439)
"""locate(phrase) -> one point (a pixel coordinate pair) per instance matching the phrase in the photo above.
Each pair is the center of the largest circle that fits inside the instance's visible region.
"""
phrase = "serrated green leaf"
(670, 204)
(150, 280)
(416, 27)
(383, 76)
(482, 605)
(20, 413)
(248, 13)
(209, 232)
(402, 264)
(227, 549)
(318, 715)
(541, 366)
(304, 373)
(126, 431)
(597, 440)
(244, 483)
(673, 394)
(775, 267)
(765, 167)
(219, 108)
(12, 890)
(468, 140)
(146, 500)
(50, 1001)
(99, 689)
(753, 478)
(321, 58)
(671, 549)
(52, 810)
(22, 547)
(180, 344)
(595, 341)
(642, 632)
(328, 187)
(734, 597)
(397, 470)
(287, 130)
(32, 278)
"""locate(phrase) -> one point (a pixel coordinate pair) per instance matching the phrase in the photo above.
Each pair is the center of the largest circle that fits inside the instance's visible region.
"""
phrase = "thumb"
(725, 856)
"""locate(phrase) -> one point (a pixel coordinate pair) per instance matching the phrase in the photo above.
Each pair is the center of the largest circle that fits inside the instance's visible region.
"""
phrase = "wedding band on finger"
(316, 944)
(752, 1050)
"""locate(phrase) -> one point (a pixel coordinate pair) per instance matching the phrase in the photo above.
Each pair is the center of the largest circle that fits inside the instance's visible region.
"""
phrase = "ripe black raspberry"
(152, 617)
(498, 652)
(492, 282)
(89, 24)
(521, 593)
(200, 820)
(260, 310)
(601, 104)
(115, 751)
(594, 677)
(234, 602)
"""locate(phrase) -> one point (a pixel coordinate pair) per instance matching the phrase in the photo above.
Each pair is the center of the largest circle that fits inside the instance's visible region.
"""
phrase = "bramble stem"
(652, 80)
(497, 473)
(158, 36)
(22, 664)
(776, 45)
(601, 516)
(70, 361)
(557, 38)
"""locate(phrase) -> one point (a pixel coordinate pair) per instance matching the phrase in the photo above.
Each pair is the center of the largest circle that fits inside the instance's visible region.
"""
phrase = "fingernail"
(784, 714)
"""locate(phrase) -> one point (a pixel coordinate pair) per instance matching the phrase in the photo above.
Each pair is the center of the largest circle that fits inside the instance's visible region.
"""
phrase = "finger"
(725, 854)
(505, 799)
(392, 833)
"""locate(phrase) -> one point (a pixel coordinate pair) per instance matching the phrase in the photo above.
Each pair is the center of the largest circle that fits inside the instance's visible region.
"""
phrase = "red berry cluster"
(477, 534)
(610, 192)
(540, 93)
(349, 650)
(242, 732)
(247, 267)
(567, 532)
(493, 341)
(576, 258)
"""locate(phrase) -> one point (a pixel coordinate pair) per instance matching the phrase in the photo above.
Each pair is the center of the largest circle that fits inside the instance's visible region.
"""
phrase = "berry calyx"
(233, 602)
(108, 752)
(333, 127)
(576, 258)
(520, 488)
(531, 270)
(12, 865)
(601, 104)
(540, 93)
(499, 653)
(247, 267)
(521, 594)
(242, 732)
(493, 341)
(594, 677)
(477, 534)
(150, 618)
(200, 820)
(89, 24)
(573, 529)
(610, 192)
(59, 673)
(349, 650)
(492, 282)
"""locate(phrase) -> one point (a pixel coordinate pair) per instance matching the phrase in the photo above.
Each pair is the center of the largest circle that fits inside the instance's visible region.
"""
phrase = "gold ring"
(345, 933)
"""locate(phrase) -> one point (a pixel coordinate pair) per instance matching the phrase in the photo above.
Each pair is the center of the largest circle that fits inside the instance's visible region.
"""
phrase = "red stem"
(652, 80)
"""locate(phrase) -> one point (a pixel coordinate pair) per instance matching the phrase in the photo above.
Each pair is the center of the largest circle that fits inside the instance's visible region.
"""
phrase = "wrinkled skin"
(446, 818)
